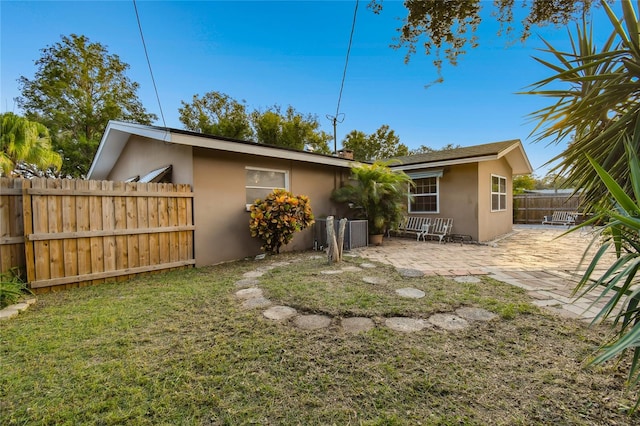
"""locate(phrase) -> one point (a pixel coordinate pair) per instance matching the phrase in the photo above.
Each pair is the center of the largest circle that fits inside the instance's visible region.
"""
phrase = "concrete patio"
(531, 257)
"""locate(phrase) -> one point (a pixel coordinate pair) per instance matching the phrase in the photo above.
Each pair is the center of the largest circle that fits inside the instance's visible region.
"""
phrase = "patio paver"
(531, 257)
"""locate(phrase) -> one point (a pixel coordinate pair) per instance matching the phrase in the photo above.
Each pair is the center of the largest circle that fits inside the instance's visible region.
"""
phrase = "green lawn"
(177, 348)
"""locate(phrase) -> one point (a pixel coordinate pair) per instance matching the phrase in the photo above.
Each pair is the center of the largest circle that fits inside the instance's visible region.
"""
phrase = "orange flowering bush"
(276, 218)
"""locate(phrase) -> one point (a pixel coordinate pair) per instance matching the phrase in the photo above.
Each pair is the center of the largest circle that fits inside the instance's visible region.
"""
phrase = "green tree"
(522, 183)
(423, 149)
(22, 140)
(77, 88)
(551, 181)
(597, 104)
(291, 130)
(216, 114)
(451, 25)
(382, 144)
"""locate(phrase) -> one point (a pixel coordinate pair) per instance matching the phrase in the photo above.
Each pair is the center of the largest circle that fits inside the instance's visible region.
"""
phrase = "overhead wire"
(153, 80)
(334, 118)
(346, 62)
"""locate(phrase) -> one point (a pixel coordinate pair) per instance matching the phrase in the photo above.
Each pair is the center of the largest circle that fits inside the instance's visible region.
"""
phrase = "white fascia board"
(260, 150)
(113, 141)
(117, 135)
(444, 163)
(525, 168)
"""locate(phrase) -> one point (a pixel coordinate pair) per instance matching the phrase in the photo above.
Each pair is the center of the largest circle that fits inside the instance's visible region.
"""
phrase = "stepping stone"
(8, 312)
(475, 314)
(253, 274)
(261, 256)
(266, 268)
(247, 282)
(351, 269)
(280, 264)
(279, 313)
(315, 257)
(412, 293)
(357, 324)
(257, 302)
(410, 273)
(21, 307)
(374, 280)
(249, 293)
(332, 272)
(312, 322)
(406, 325)
(467, 279)
(368, 265)
(448, 322)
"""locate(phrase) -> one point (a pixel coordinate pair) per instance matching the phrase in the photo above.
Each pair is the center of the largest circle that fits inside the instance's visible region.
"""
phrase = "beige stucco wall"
(493, 224)
(459, 198)
(465, 196)
(222, 222)
(141, 156)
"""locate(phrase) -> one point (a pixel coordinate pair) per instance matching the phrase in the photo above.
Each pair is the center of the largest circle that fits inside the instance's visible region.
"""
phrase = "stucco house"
(473, 185)
(227, 175)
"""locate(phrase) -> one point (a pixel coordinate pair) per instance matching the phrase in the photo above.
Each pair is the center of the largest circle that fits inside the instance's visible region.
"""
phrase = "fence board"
(120, 225)
(163, 217)
(531, 208)
(132, 222)
(40, 225)
(12, 246)
(69, 245)
(143, 223)
(95, 224)
(108, 225)
(82, 217)
(67, 233)
(173, 237)
(152, 211)
(27, 213)
(54, 218)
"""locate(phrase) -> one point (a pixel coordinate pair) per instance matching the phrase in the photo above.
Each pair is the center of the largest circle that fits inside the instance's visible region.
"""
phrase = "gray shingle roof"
(458, 153)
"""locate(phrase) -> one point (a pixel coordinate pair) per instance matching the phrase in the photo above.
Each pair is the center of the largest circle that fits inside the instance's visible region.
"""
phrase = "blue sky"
(293, 53)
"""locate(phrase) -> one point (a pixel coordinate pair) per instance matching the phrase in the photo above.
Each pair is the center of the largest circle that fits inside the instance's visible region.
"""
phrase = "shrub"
(376, 193)
(276, 218)
(11, 288)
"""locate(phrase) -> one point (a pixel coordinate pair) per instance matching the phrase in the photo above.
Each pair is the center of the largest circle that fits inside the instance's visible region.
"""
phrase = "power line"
(335, 118)
(153, 80)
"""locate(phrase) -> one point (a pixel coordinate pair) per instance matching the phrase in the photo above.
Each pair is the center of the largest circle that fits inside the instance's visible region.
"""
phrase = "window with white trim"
(261, 182)
(425, 195)
(498, 193)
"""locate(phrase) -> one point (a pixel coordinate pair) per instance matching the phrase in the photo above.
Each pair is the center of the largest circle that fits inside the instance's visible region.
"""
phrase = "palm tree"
(376, 193)
(24, 140)
(598, 111)
(598, 104)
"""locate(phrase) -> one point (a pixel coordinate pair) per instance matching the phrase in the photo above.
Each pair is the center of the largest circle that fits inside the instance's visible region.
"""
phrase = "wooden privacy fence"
(531, 208)
(76, 232)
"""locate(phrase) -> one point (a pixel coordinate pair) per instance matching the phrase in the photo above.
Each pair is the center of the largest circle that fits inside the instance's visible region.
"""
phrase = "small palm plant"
(376, 193)
(621, 281)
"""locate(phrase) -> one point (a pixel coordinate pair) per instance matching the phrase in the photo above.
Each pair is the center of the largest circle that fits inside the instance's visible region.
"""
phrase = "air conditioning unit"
(356, 234)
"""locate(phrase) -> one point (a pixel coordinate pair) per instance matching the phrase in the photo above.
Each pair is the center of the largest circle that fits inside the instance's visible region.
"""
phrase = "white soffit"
(117, 135)
(113, 141)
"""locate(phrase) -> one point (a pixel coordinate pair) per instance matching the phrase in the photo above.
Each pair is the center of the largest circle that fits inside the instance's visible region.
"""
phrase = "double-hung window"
(498, 193)
(261, 182)
(424, 195)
